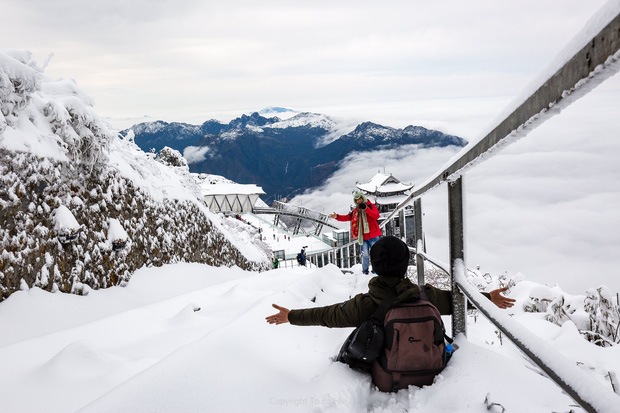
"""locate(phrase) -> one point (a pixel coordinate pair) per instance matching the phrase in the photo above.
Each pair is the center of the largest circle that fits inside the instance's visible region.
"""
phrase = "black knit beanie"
(390, 257)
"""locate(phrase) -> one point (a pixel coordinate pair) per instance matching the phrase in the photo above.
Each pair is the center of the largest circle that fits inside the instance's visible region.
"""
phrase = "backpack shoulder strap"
(379, 314)
(423, 295)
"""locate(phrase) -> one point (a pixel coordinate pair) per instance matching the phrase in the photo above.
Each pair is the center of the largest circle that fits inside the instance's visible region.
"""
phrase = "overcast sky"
(190, 60)
(546, 206)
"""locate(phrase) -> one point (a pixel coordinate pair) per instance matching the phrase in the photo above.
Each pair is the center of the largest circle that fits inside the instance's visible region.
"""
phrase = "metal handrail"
(595, 62)
(592, 64)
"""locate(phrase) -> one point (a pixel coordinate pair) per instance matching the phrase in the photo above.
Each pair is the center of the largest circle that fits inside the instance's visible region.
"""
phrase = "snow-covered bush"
(66, 226)
(539, 299)
(32, 188)
(171, 157)
(59, 160)
(596, 316)
(487, 282)
(35, 107)
(117, 236)
(603, 308)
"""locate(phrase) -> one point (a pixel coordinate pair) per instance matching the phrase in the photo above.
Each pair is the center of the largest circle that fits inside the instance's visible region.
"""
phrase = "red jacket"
(372, 214)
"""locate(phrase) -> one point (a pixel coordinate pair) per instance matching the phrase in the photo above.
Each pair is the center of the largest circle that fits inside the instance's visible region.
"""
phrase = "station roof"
(230, 189)
(384, 184)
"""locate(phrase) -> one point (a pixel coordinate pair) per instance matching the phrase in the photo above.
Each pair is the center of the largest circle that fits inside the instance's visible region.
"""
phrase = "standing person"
(303, 257)
(363, 219)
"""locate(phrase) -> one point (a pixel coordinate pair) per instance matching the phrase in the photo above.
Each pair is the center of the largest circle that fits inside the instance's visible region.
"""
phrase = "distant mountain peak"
(258, 148)
(180, 129)
(255, 119)
(306, 119)
(373, 131)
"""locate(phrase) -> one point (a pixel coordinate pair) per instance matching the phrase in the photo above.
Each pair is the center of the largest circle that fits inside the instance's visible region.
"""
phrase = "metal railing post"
(457, 254)
(419, 247)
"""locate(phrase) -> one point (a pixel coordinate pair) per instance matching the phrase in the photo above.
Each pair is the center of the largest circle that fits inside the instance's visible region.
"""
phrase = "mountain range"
(283, 156)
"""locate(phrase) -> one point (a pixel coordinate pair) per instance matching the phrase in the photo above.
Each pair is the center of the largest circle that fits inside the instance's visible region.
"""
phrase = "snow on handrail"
(578, 383)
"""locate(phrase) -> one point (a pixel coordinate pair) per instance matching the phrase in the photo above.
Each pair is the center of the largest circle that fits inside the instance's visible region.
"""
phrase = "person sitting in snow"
(390, 259)
(364, 217)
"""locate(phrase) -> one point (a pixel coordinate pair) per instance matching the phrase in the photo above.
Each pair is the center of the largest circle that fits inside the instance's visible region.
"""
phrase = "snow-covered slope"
(57, 154)
(193, 338)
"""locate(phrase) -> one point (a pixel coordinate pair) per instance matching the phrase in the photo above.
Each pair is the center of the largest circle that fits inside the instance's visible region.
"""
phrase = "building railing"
(598, 60)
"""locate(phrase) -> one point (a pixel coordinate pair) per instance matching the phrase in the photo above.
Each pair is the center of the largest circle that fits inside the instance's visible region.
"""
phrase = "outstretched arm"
(279, 318)
(499, 300)
(338, 217)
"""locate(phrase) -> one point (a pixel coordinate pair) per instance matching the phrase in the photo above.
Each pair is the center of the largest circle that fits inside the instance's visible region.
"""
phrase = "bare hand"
(499, 300)
(280, 318)
(333, 215)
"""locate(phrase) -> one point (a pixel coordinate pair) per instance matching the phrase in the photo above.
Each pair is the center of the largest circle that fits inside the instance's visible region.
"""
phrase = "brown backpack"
(415, 350)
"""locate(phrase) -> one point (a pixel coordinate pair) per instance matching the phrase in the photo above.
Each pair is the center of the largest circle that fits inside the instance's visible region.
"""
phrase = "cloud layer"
(545, 206)
(183, 60)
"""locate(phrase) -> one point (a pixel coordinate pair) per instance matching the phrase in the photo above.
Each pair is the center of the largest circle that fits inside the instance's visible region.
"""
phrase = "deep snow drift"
(190, 337)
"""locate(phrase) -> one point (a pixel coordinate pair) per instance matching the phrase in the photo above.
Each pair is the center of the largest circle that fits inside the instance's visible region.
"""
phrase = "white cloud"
(546, 206)
(195, 154)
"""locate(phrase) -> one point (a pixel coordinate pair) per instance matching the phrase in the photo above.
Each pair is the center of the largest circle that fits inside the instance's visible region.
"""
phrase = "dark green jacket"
(353, 312)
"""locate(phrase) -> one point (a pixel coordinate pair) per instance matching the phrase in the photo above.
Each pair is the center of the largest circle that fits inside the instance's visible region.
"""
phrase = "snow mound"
(80, 357)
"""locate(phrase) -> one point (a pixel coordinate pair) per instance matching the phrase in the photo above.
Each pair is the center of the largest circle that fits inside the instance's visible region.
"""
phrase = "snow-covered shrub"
(171, 157)
(539, 299)
(66, 226)
(59, 160)
(19, 79)
(432, 275)
(32, 188)
(130, 136)
(603, 308)
(487, 282)
(596, 316)
(117, 236)
(478, 279)
(31, 101)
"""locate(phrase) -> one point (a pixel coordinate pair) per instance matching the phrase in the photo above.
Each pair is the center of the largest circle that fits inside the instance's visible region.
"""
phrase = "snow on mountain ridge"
(254, 128)
(157, 126)
(370, 131)
(415, 130)
(307, 119)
